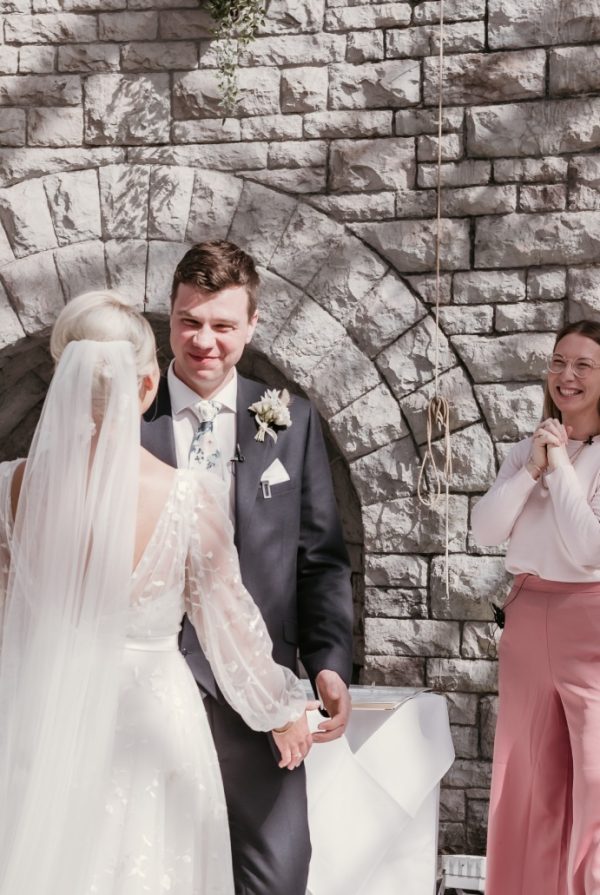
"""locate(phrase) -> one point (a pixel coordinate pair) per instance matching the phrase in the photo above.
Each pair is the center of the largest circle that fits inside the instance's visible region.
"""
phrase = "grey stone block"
(61, 28)
(386, 312)
(546, 284)
(121, 26)
(526, 23)
(423, 40)
(487, 77)
(537, 239)
(511, 410)
(410, 361)
(405, 525)
(88, 57)
(170, 196)
(414, 637)
(303, 89)
(261, 217)
(215, 198)
(34, 291)
(124, 201)
(410, 245)
(55, 127)
(28, 233)
(389, 570)
(368, 423)
(393, 469)
(365, 46)
(81, 268)
(335, 124)
(127, 109)
(522, 357)
(40, 90)
(74, 202)
(393, 84)
(13, 125)
(456, 388)
(543, 316)
(531, 170)
(477, 287)
(358, 165)
(538, 128)
(126, 268)
(539, 198)
(346, 277)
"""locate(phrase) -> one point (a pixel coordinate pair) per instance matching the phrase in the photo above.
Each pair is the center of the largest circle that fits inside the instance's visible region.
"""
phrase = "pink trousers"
(544, 826)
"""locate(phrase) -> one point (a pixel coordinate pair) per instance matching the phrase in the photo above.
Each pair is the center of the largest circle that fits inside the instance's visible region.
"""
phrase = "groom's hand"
(336, 700)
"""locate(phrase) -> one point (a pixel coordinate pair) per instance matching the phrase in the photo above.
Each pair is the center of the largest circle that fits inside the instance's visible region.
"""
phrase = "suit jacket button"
(184, 652)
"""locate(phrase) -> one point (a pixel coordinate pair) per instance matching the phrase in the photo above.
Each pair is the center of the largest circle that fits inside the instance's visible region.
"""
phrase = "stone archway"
(337, 323)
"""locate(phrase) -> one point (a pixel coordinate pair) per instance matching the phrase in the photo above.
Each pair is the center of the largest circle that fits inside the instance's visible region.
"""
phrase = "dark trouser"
(268, 821)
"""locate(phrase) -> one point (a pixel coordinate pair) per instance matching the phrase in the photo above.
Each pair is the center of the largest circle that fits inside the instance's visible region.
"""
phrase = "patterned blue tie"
(204, 450)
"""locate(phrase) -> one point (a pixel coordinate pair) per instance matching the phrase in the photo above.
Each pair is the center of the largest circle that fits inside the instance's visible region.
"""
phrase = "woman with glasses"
(544, 824)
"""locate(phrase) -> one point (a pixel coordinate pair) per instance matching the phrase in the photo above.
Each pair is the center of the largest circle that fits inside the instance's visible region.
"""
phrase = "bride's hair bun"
(105, 316)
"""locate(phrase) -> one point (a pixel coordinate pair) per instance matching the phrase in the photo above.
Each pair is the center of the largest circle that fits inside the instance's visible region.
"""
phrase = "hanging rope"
(433, 481)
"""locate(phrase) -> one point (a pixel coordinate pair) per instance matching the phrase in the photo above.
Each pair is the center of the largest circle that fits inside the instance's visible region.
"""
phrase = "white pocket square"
(275, 474)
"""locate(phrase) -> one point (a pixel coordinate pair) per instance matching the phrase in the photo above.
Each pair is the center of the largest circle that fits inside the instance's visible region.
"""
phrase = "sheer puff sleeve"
(229, 626)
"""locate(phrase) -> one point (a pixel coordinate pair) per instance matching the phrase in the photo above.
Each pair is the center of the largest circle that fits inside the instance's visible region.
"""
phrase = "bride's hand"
(295, 742)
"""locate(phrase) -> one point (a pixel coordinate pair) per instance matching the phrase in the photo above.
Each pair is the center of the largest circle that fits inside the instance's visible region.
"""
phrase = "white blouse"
(553, 524)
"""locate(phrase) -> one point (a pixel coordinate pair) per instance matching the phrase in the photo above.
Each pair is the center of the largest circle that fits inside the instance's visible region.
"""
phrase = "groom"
(292, 555)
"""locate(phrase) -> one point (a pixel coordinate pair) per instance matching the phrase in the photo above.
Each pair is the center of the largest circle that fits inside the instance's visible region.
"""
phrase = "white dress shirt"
(185, 423)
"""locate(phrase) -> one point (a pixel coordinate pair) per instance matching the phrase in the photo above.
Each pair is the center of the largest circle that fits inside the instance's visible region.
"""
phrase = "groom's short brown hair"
(216, 265)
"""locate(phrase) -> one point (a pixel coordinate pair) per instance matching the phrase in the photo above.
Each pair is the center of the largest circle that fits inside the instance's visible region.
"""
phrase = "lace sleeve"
(228, 623)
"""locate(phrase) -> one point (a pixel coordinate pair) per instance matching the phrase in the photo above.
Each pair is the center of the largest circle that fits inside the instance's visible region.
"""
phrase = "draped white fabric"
(64, 619)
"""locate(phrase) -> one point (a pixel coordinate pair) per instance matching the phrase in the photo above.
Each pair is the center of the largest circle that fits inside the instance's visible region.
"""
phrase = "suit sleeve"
(323, 577)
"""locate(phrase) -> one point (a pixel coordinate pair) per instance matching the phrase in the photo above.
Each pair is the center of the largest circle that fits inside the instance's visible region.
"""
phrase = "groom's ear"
(251, 327)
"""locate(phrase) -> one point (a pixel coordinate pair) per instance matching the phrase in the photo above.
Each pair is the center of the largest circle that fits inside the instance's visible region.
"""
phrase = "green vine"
(236, 25)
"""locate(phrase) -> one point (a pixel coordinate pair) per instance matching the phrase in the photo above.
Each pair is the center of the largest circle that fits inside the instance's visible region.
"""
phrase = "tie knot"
(206, 411)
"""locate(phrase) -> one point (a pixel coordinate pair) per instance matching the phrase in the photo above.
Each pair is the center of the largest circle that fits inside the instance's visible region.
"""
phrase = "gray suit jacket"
(292, 555)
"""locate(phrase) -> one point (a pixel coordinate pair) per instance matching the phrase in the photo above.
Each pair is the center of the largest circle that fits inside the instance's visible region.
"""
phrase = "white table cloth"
(373, 795)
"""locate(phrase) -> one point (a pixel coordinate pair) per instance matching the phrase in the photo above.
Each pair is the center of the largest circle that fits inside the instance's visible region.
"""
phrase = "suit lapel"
(157, 426)
(257, 455)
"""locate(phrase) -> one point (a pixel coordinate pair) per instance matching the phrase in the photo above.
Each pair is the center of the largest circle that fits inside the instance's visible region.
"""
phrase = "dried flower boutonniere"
(271, 410)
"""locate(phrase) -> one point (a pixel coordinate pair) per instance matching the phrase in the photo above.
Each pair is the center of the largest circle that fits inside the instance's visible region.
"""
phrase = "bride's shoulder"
(203, 487)
(9, 467)
(11, 478)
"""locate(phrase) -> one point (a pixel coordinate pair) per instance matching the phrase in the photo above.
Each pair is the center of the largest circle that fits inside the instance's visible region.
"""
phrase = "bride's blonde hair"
(105, 316)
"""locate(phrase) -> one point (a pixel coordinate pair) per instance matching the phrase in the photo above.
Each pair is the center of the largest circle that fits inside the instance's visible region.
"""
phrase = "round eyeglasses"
(581, 367)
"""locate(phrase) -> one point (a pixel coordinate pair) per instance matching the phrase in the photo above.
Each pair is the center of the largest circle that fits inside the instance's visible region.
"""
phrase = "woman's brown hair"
(588, 328)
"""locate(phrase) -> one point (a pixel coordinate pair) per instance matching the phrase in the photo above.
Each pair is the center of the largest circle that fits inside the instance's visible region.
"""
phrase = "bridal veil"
(63, 619)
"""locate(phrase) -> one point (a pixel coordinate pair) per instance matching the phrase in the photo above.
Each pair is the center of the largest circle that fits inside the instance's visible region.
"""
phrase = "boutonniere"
(271, 410)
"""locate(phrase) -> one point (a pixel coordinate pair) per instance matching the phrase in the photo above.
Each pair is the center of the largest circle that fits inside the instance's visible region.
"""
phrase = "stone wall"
(114, 157)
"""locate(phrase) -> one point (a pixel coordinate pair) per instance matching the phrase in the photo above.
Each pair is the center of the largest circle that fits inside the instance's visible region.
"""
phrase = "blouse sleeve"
(577, 519)
(494, 516)
(229, 626)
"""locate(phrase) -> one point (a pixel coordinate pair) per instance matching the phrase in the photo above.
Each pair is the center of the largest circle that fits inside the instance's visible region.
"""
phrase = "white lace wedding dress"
(164, 825)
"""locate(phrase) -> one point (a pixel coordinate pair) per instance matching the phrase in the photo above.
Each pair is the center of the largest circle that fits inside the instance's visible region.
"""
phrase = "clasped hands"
(549, 445)
(295, 742)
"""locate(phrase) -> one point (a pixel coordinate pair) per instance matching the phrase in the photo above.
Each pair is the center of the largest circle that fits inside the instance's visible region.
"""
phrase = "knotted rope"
(438, 409)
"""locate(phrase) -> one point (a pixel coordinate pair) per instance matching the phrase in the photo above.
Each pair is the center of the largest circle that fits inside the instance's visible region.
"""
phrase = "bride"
(109, 781)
